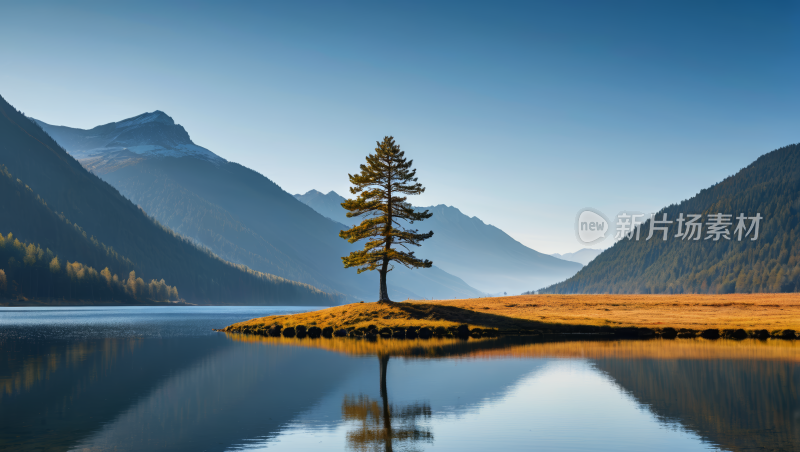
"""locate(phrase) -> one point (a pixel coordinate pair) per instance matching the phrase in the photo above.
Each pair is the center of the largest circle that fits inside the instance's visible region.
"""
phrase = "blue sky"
(518, 113)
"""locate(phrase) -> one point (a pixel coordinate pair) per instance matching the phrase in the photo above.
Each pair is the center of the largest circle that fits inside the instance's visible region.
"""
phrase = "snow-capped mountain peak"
(156, 116)
(149, 135)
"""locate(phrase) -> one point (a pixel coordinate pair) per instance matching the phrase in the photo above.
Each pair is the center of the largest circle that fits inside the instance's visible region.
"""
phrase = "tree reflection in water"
(381, 424)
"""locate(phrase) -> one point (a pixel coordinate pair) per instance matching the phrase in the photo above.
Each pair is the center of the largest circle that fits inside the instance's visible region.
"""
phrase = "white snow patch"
(193, 149)
(144, 119)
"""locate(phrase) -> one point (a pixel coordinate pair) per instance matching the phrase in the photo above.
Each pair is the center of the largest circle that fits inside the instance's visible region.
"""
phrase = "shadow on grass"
(403, 315)
(425, 311)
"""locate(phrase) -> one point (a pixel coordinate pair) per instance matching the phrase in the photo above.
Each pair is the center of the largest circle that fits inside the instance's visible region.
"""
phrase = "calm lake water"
(158, 379)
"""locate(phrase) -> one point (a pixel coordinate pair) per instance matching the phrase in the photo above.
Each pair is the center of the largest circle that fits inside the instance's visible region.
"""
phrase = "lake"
(159, 379)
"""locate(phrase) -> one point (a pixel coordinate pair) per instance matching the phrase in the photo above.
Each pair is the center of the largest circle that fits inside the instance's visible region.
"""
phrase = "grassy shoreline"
(629, 315)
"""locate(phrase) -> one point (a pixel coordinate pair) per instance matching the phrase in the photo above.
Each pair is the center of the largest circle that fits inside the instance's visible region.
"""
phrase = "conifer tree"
(383, 180)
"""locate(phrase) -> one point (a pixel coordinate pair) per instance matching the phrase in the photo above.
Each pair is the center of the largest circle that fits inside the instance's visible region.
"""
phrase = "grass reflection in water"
(536, 347)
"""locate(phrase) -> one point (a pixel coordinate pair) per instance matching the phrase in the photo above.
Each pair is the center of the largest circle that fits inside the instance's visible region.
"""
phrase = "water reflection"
(36, 367)
(737, 395)
(387, 424)
(535, 347)
(380, 425)
(738, 404)
(244, 392)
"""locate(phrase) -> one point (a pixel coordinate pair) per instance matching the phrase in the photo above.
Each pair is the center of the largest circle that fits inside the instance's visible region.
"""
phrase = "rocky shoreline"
(464, 331)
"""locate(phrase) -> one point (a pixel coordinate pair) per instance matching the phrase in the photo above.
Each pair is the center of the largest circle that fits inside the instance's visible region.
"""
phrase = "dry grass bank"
(746, 311)
(558, 313)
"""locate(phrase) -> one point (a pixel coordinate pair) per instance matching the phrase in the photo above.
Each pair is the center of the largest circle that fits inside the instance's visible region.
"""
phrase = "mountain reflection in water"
(245, 392)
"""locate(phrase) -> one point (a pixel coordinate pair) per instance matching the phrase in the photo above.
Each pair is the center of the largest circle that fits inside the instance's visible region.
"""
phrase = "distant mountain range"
(482, 255)
(50, 200)
(582, 256)
(769, 188)
(235, 212)
(328, 205)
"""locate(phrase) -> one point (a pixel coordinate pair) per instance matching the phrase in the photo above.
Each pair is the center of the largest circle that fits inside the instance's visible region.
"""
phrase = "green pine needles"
(380, 186)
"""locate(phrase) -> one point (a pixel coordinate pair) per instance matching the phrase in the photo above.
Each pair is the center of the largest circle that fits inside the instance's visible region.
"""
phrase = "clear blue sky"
(518, 113)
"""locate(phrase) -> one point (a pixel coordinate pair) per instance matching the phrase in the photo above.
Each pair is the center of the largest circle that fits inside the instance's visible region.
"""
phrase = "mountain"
(328, 205)
(105, 216)
(235, 212)
(147, 135)
(582, 256)
(769, 188)
(482, 255)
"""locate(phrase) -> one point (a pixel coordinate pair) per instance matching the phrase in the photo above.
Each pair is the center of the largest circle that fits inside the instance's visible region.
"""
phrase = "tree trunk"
(384, 293)
(388, 237)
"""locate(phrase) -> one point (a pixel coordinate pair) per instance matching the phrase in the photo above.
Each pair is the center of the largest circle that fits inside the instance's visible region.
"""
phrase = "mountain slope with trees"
(235, 212)
(770, 186)
(79, 268)
(155, 252)
(33, 274)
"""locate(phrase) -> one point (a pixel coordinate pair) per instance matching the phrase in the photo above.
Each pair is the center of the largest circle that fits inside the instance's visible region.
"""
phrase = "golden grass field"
(695, 312)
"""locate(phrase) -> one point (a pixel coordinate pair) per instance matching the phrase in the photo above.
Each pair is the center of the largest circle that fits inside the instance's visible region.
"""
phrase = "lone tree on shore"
(386, 175)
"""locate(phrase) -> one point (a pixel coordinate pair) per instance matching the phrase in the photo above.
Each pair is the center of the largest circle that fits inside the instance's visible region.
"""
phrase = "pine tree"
(386, 175)
(106, 273)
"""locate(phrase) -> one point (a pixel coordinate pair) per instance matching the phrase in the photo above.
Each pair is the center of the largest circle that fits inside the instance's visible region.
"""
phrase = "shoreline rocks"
(669, 333)
(464, 331)
(711, 333)
(787, 334)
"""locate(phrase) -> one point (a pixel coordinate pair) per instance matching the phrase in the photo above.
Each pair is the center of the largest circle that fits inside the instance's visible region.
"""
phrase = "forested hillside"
(77, 268)
(104, 215)
(770, 187)
(26, 213)
(31, 273)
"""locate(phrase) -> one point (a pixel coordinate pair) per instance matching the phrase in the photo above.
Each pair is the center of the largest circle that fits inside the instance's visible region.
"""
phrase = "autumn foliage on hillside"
(29, 272)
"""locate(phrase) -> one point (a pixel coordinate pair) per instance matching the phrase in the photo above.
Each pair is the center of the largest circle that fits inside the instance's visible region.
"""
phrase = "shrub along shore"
(631, 316)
